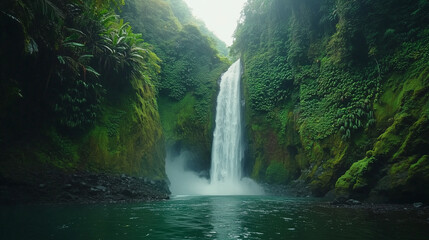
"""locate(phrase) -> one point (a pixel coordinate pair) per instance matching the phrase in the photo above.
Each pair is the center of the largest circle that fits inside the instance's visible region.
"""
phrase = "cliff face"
(73, 97)
(190, 68)
(337, 95)
(127, 138)
(82, 89)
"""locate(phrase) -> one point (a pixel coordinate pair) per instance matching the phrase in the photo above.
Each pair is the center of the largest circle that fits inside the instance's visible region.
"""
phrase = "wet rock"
(339, 201)
(65, 196)
(93, 177)
(330, 196)
(128, 193)
(418, 204)
(82, 187)
(101, 188)
(353, 202)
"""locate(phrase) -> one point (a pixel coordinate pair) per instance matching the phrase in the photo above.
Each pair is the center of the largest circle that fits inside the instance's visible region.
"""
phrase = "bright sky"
(220, 16)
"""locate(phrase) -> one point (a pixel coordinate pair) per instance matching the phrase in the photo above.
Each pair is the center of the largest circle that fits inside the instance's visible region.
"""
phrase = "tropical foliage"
(83, 50)
(76, 73)
(321, 50)
(191, 65)
(317, 78)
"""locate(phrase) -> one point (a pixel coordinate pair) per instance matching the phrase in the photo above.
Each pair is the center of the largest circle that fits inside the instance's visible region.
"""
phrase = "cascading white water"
(227, 149)
(228, 144)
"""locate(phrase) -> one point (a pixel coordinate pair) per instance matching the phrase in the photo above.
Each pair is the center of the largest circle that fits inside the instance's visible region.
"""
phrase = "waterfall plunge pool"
(217, 210)
(212, 217)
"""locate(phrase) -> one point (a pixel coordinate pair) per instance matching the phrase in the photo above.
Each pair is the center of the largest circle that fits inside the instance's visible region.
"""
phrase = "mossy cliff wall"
(79, 86)
(337, 96)
(126, 139)
(129, 137)
(76, 92)
(396, 167)
(190, 68)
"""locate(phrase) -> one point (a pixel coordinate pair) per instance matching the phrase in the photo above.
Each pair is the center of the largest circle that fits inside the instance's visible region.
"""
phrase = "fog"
(187, 182)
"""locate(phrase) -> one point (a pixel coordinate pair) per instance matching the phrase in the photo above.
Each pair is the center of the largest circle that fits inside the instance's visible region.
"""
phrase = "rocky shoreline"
(298, 189)
(81, 187)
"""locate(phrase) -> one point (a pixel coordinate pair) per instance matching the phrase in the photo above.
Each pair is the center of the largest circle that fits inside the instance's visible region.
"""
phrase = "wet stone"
(418, 204)
(101, 188)
(353, 202)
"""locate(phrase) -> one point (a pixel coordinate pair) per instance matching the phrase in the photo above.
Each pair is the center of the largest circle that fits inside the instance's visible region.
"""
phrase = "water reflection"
(225, 218)
(211, 217)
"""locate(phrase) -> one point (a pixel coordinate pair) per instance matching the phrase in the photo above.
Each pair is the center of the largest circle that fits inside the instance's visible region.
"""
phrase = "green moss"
(185, 123)
(128, 137)
(353, 92)
(329, 168)
(395, 181)
(361, 140)
(256, 127)
(180, 122)
(276, 173)
(58, 150)
(401, 166)
(98, 149)
(257, 172)
(419, 171)
(394, 91)
(175, 115)
(416, 140)
(317, 152)
(357, 178)
(390, 100)
(388, 142)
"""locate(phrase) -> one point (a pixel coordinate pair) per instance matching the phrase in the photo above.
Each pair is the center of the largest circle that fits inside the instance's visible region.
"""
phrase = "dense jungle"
(94, 94)
(130, 119)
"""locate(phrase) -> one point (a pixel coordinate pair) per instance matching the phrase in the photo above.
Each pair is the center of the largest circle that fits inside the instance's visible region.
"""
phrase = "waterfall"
(228, 144)
(227, 149)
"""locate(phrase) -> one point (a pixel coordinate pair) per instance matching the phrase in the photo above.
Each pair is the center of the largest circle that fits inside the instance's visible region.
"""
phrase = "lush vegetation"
(336, 90)
(78, 90)
(191, 65)
(325, 81)
(81, 82)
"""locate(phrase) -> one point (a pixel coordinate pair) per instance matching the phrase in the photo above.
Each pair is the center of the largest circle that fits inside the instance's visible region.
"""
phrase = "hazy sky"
(220, 16)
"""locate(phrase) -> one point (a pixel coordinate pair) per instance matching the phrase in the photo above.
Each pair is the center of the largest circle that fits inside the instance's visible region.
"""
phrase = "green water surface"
(210, 217)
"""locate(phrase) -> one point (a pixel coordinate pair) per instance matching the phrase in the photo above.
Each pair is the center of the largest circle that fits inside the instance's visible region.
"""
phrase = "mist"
(184, 181)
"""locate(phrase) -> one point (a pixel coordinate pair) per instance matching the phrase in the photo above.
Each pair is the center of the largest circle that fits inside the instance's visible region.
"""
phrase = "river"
(211, 217)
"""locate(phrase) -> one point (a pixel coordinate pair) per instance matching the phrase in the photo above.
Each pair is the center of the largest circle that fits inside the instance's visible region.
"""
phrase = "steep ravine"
(336, 98)
(83, 98)
(79, 120)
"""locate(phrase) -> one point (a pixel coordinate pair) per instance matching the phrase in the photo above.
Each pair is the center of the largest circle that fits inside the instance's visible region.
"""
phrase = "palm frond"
(92, 70)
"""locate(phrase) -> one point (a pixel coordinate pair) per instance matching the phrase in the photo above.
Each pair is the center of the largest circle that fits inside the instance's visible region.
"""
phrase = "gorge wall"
(80, 86)
(336, 91)
(192, 63)
(337, 95)
(92, 93)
